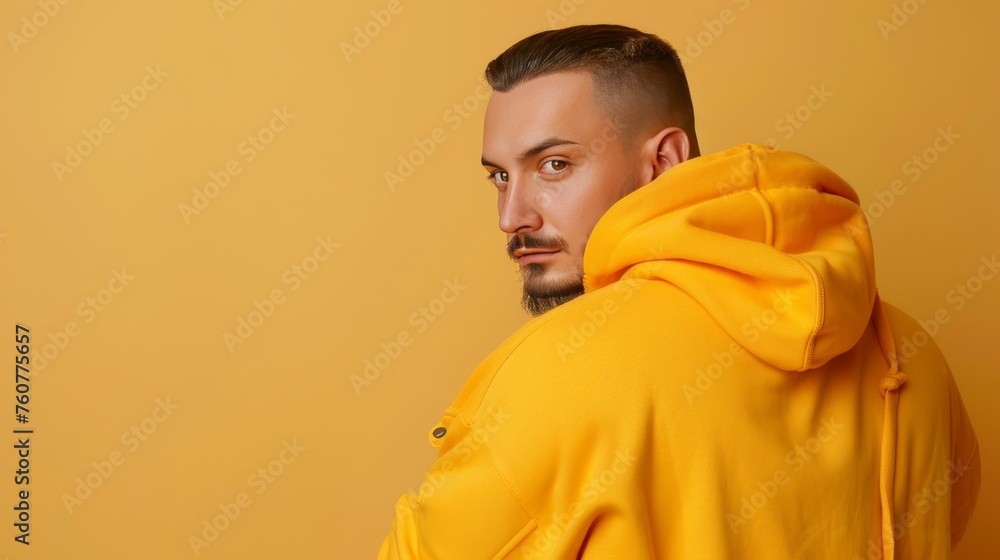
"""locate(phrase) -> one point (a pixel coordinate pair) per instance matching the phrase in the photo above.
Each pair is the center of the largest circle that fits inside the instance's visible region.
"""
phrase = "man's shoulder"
(930, 385)
(914, 337)
(569, 370)
(632, 327)
(631, 311)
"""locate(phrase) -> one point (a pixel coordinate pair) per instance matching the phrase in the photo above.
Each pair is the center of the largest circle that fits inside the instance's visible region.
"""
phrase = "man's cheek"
(548, 197)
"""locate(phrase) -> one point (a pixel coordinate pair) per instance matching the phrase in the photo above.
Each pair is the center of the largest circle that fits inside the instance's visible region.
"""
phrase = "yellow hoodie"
(727, 387)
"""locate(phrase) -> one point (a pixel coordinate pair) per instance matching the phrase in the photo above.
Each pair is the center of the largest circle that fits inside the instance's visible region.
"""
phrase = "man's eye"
(498, 177)
(555, 165)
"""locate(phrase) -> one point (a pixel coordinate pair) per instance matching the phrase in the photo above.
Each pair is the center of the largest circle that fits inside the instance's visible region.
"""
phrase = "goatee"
(539, 299)
(539, 296)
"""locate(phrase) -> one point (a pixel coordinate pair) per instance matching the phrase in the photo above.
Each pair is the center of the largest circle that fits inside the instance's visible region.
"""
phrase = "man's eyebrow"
(533, 151)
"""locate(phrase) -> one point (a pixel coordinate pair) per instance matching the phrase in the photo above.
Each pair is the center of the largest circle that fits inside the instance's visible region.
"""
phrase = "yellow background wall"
(221, 158)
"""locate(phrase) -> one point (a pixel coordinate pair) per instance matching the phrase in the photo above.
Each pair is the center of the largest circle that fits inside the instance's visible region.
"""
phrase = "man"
(710, 372)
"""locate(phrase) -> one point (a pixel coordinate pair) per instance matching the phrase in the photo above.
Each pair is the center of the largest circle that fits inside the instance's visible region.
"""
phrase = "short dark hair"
(637, 76)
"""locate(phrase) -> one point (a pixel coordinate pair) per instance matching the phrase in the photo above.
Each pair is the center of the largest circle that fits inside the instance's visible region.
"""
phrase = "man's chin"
(538, 300)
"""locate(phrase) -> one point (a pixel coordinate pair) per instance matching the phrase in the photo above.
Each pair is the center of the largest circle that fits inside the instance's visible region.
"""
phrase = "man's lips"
(528, 256)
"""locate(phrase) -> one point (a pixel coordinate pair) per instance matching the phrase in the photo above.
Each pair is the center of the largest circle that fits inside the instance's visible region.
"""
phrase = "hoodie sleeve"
(965, 466)
(463, 509)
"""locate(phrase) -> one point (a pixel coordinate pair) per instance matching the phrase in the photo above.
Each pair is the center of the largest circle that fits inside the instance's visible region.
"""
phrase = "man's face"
(558, 164)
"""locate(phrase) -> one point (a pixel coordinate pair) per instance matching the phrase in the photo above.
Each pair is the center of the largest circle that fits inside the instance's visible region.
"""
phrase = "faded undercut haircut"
(638, 77)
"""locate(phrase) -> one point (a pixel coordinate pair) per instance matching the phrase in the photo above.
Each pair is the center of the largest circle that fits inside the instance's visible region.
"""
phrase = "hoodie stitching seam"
(519, 537)
(509, 485)
(769, 234)
(820, 311)
(759, 197)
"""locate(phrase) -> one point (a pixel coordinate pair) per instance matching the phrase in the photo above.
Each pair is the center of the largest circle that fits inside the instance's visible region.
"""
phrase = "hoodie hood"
(776, 248)
(773, 245)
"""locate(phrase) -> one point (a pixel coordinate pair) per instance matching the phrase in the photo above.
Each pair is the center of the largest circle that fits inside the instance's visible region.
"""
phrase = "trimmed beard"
(538, 300)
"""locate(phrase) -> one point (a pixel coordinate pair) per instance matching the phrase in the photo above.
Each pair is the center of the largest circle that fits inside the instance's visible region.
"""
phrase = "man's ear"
(666, 149)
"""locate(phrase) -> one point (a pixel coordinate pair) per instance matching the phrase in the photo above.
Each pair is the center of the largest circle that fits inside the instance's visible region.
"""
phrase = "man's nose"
(517, 211)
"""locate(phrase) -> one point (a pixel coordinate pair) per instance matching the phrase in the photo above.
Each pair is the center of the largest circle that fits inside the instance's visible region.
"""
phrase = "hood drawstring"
(889, 388)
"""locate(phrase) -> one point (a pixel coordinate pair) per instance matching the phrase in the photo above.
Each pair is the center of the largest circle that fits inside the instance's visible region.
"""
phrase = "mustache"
(534, 242)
